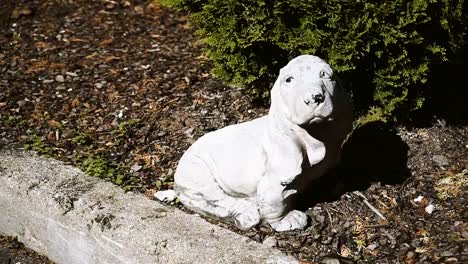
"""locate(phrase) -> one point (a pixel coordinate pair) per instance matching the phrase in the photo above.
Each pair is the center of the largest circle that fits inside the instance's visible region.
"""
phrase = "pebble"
(372, 246)
(59, 78)
(47, 81)
(270, 241)
(166, 196)
(465, 234)
(136, 167)
(71, 74)
(418, 199)
(429, 209)
(330, 261)
(189, 132)
(320, 218)
(441, 160)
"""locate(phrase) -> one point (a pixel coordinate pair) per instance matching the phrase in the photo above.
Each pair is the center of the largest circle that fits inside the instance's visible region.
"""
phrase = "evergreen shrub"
(383, 50)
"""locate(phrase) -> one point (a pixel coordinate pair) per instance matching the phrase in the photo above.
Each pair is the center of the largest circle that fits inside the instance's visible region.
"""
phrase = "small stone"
(270, 241)
(410, 255)
(446, 254)
(21, 103)
(418, 199)
(330, 261)
(166, 196)
(71, 74)
(441, 160)
(189, 132)
(320, 218)
(46, 81)
(98, 85)
(110, 6)
(59, 78)
(429, 209)
(136, 167)
(372, 246)
(415, 243)
(465, 234)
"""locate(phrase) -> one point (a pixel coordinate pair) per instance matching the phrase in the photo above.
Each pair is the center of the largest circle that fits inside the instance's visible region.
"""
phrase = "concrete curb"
(58, 211)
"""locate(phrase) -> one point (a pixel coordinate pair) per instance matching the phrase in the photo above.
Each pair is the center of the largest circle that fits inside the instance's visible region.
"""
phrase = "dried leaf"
(51, 137)
(75, 102)
(21, 11)
(106, 42)
(111, 58)
(198, 101)
(345, 251)
(53, 123)
(42, 45)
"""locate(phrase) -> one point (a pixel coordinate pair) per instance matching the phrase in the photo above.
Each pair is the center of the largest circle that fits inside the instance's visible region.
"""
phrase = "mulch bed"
(12, 252)
(121, 89)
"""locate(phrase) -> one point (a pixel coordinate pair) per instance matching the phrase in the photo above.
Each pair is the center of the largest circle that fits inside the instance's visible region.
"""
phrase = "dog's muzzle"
(317, 99)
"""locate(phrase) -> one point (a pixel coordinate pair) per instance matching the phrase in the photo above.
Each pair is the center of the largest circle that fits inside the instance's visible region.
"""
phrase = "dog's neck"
(290, 133)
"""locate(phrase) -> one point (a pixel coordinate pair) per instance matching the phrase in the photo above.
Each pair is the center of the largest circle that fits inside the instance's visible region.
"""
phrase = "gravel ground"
(121, 89)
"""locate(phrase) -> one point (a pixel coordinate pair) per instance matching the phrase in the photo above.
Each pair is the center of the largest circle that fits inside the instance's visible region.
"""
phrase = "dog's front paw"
(247, 219)
(292, 221)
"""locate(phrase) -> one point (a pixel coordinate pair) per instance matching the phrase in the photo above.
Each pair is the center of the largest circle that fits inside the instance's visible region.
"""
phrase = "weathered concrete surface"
(72, 218)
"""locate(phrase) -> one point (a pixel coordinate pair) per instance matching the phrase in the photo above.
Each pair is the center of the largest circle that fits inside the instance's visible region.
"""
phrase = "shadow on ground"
(373, 153)
(446, 97)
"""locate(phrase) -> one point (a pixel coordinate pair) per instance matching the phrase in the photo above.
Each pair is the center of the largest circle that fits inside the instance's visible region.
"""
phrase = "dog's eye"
(324, 74)
(289, 79)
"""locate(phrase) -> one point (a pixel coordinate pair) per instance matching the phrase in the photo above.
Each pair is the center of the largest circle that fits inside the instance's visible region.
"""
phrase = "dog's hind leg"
(198, 190)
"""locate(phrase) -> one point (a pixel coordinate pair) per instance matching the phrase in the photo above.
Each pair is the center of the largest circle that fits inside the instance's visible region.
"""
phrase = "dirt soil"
(13, 252)
(121, 89)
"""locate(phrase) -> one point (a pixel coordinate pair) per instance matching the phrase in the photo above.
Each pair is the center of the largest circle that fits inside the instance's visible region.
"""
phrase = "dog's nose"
(318, 98)
(315, 98)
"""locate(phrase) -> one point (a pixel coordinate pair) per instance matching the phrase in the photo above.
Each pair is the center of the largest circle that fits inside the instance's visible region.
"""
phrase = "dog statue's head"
(304, 90)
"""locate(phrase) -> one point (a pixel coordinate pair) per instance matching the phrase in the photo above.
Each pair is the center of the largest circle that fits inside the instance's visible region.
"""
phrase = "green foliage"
(97, 166)
(13, 121)
(81, 138)
(451, 185)
(124, 128)
(384, 50)
(36, 143)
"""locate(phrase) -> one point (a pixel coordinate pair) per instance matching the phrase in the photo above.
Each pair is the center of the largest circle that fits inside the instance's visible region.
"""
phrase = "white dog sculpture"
(241, 172)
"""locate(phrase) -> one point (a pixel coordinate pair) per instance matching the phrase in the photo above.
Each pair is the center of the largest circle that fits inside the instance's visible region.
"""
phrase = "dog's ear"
(276, 102)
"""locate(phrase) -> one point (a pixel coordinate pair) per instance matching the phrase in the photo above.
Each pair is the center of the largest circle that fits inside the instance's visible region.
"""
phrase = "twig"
(378, 226)
(336, 211)
(388, 234)
(364, 200)
(329, 217)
